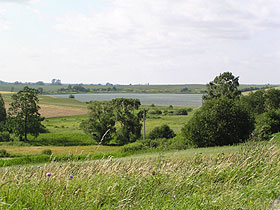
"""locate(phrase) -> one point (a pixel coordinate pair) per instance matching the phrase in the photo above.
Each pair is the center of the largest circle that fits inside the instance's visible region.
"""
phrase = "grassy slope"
(56, 107)
(246, 179)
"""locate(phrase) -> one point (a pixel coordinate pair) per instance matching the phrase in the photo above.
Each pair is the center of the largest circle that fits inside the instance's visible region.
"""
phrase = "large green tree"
(24, 116)
(3, 113)
(101, 122)
(220, 121)
(226, 84)
(130, 119)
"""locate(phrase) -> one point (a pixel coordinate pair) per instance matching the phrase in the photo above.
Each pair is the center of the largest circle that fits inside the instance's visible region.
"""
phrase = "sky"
(139, 41)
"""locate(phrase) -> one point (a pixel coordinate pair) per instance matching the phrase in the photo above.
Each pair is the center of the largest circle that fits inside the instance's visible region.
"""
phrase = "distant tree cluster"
(56, 82)
(23, 116)
(254, 88)
(74, 88)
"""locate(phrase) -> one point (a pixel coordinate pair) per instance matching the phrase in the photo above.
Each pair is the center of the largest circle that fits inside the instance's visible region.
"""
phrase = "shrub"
(163, 131)
(181, 112)
(4, 153)
(219, 121)
(46, 152)
(267, 124)
(133, 147)
(155, 112)
(5, 136)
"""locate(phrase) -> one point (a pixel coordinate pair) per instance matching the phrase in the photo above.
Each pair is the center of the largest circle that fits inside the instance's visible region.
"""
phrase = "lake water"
(145, 98)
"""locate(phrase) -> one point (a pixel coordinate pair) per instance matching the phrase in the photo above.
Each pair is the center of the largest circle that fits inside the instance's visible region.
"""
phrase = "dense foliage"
(226, 84)
(267, 124)
(163, 131)
(3, 114)
(101, 122)
(220, 121)
(130, 120)
(104, 116)
(24, 117)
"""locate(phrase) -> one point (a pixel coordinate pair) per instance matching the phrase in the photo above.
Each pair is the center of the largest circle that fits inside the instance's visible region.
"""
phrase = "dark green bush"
(133, 147)
(4, 153)
(46, 152)
(5, 136)
(155, 112)
(181, 112)
(267, 124)
(163, 131)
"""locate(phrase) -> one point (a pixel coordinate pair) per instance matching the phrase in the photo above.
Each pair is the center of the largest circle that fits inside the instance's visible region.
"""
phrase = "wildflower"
(71, 176)
(38, 166)
(48, 174)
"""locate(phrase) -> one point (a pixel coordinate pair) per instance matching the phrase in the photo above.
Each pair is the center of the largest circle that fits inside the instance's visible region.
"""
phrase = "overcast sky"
(139, 41)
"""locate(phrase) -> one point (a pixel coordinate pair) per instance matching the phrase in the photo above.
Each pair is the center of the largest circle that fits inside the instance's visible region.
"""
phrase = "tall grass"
(248, 179)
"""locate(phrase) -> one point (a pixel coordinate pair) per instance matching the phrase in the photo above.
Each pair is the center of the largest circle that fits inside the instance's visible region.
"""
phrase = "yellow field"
(48, 111)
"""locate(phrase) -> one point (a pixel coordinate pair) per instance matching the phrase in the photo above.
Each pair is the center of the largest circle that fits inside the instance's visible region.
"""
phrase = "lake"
(145, 98)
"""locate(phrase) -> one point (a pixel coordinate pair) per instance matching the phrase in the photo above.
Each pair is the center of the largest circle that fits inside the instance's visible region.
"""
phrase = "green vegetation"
(110, 88)
(224, 85)
(101, 122)
(220, 121)
(162, 131)
(23, 116)
(246, 179)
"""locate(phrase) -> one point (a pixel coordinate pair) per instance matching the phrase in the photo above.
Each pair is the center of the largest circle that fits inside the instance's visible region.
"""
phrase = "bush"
(267, 124)
(5, 136)
(133, 147)
(46, 152)
(181, 112)
(163, 131)
(4, 153)
(219, 121)
(155, 112)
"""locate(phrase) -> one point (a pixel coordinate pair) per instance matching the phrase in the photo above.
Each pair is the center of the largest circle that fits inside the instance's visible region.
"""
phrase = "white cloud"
(168, 34)
(19, 1)
(4, 23)
(160, 41)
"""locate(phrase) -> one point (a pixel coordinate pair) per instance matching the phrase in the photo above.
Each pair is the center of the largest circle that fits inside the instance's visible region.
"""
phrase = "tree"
(24, 116)
(254, 102)
(262, 101)
(130, 121)
(267, 124)
(220, 121)
(3, 114)
(101, 121)
(223, 85)
(160, 132)
(272, 99)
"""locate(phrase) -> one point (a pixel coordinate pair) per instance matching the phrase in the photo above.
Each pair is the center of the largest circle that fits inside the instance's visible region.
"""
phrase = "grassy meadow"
(244, 179)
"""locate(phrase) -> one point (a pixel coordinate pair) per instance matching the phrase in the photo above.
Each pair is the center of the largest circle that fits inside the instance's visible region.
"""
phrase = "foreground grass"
(248, 179)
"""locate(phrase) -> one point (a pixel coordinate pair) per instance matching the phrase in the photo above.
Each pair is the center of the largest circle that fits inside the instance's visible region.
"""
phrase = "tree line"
(227, 117)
